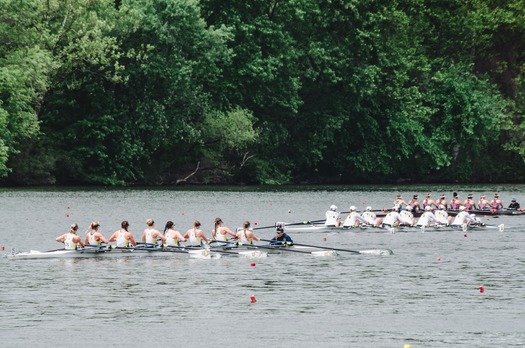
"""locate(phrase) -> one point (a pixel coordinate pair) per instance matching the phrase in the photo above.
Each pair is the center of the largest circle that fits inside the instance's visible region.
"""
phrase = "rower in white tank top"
(70, 239)
(149, 236)
(92, 240)
(246, 235)
(122, 242)
(196, 236)
(173, 237)
(69, 244)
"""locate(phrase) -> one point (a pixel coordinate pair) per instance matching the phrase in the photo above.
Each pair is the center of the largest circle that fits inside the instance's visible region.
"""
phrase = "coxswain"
(514, 205)
(93, 236)
(353, 219)
(123, 237)
(220, 232)
(333, 218)
(246, 235)
(280, 237)
(173, 237)
(469, 203)
(483, 203)
(151, 235)
(427, 217)
(196, 235)
(71, 240)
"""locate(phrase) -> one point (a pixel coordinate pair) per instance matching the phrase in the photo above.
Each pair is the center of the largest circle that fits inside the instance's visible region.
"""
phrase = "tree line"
(157, 92)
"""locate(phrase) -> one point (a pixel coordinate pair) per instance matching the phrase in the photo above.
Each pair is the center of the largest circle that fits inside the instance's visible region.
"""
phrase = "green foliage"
(270, 92)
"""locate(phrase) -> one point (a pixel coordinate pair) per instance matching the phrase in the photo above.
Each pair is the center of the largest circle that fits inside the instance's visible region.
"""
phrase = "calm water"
(411, 297)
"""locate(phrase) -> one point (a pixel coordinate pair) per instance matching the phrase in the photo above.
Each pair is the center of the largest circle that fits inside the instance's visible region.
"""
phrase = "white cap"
(473, 215)
(333, 207)
(441, 206)
(368, 208)
(352, 208)
(461, 207)
(409, 207)
(428, 207)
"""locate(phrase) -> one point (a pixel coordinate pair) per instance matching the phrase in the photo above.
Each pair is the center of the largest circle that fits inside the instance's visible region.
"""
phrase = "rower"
(196, 235)
(151, 235)
(442, 201)
(219, 232)
(483, 203)
(93, 236)
(469, 203)
(429, 202)
(392, 219)
(442, 215)
(427, 217)
(246, 234)
(414, 203)
(370, 217)
(173, 237)
(71, 240)
(353, 219)
(333, 218)
(123, 237)
(463, 218)
(399, 201)
(455, 202)
(496, 203)
(407, 217)
(281, 238)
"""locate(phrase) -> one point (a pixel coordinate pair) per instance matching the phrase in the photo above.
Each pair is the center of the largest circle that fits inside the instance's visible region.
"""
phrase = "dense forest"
(163, 92)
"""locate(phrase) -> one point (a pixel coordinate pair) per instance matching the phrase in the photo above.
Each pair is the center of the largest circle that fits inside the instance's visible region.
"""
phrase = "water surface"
(426, 294)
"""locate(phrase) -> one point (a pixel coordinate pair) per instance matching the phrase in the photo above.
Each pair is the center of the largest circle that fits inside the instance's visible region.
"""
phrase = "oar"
(320, 247)
(315, 253)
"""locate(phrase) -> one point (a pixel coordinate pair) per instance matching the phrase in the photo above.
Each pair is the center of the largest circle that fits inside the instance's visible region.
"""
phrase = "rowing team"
(404, 218)
(169, 238)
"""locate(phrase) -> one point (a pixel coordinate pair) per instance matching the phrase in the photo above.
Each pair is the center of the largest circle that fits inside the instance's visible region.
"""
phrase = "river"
(427, 294)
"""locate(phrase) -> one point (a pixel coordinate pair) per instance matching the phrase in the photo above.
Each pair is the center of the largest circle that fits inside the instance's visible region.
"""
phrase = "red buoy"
(253, 265)
(253, 299)
(482, 289)
(438, 258)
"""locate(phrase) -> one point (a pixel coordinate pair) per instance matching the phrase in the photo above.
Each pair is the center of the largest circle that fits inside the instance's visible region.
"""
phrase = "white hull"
(112, 253)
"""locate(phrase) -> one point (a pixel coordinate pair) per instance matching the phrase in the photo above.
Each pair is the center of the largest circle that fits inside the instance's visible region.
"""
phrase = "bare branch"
(245, 159)
(189, 176)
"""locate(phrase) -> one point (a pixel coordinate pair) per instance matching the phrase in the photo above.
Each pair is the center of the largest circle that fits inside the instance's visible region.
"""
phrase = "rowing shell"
(111, 253)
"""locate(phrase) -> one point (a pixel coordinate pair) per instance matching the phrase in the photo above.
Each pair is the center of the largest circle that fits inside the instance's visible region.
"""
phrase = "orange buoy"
(253, 299)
